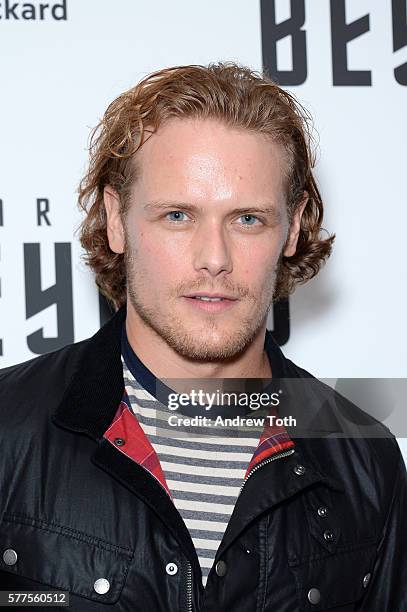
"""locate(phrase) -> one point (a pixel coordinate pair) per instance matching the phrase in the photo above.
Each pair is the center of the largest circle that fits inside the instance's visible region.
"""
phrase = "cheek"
(259, 259)
(163, 257)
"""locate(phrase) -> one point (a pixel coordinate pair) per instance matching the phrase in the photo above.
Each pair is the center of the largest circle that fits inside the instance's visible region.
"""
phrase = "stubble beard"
(196, 344)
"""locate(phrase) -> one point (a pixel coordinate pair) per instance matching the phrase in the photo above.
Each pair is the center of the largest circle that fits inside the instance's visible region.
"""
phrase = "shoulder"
(38, 383)
(357, 448)
(59, 362)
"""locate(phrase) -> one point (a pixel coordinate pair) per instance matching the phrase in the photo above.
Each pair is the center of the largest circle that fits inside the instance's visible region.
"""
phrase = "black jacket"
(330, 535)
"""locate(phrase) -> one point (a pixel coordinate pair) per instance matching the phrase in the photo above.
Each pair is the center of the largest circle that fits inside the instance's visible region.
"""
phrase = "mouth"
(211, 302)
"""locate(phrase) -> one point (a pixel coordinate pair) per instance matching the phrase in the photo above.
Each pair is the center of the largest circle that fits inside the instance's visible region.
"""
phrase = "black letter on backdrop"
(42, 212)
(281, 320)
(1, 213)
(342, 33)
(272, 32)
(38, 299)
(62, 15)
(400, 36)
(10, 9)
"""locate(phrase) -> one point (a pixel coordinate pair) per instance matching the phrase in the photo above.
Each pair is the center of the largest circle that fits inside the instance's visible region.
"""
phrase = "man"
(201, 209)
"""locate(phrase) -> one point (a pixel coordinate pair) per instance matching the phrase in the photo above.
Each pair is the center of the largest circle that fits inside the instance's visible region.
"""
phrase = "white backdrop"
(57, 77)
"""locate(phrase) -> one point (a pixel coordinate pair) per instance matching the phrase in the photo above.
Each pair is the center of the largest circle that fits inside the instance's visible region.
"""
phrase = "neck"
(164, 362)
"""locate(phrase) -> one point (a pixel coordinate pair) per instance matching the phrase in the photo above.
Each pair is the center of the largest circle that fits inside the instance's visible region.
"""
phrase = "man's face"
(203, 236)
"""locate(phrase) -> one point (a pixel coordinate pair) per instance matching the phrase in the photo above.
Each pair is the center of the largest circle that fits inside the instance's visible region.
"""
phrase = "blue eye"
(248, 219)
(176, 215)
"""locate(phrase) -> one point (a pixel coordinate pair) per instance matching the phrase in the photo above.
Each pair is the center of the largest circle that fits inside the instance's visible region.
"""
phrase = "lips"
(210, 303)
(210, 296)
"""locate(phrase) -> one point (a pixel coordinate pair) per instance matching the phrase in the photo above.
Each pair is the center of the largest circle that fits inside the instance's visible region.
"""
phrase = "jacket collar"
(96, 388)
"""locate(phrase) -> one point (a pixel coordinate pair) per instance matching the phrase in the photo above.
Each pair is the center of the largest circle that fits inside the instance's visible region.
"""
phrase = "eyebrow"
(267, 209)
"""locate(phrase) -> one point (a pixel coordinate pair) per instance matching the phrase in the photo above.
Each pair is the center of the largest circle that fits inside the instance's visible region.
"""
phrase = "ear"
(294, 229)
(115, 230)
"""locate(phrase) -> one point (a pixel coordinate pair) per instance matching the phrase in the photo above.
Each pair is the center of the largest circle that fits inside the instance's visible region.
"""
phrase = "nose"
(211, 250)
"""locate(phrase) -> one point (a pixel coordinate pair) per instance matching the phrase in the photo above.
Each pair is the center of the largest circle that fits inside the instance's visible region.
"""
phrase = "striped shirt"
(204, 468)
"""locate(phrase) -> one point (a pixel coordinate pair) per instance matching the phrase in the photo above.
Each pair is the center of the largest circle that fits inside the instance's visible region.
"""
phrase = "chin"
(212, 346)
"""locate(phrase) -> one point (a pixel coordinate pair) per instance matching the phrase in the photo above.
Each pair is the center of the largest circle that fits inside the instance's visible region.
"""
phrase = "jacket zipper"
(189, 588)
(269, 460)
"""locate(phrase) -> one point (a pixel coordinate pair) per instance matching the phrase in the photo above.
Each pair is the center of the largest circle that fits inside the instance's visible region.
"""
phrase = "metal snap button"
(366, 580)
(10, 556)
(101, 586)
(299, 470)
(171, 568)
(329, 535)
(322, 511)
(119, 441)
(314, 596)
(221, 568)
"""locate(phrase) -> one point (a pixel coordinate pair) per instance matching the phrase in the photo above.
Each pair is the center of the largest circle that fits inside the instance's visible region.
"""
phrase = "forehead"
(204, 158)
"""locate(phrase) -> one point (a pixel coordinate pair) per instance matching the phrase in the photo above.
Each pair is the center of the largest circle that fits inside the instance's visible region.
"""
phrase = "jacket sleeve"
(387, 590)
